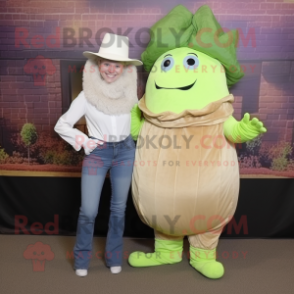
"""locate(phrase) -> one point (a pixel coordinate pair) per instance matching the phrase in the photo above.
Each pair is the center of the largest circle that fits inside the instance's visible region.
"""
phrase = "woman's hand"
(90, 144)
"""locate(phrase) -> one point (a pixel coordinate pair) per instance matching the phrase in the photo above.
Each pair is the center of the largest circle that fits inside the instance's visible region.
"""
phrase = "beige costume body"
(186, 188)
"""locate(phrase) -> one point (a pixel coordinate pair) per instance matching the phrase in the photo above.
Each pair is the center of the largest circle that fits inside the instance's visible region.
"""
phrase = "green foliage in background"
(61, 158)
(29, 134)
(281, 156)
(3, 155)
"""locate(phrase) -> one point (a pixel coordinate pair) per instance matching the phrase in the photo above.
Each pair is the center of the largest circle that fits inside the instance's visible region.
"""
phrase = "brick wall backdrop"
(267, 26)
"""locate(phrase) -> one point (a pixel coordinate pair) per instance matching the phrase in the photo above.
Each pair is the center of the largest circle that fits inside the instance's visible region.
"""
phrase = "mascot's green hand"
(136, 121)
(243, 131)
(252, 127)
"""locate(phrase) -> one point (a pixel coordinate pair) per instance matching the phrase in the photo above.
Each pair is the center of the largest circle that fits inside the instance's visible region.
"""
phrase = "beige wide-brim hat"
(114, 47)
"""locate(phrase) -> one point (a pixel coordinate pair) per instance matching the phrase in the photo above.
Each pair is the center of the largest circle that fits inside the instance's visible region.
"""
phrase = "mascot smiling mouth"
(181, 88)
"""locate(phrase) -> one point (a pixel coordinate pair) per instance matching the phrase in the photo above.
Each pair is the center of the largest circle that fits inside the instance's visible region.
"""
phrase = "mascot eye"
(43, 66)
(191, 62)
(167, 63)
(35, 67)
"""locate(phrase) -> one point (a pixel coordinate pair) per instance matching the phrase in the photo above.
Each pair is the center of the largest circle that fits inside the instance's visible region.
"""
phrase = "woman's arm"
(64, 126)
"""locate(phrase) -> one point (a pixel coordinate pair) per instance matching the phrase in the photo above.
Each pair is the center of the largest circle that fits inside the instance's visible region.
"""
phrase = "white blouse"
(109, 128)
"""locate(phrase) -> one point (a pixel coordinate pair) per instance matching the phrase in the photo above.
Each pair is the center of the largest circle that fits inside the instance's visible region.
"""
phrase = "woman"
(109, 93)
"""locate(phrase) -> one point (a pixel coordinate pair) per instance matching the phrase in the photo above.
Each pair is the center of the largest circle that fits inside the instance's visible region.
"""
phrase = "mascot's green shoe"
(204, 262)
(166, 252)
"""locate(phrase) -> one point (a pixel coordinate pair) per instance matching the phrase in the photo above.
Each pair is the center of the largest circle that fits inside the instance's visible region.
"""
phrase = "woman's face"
(110, 70)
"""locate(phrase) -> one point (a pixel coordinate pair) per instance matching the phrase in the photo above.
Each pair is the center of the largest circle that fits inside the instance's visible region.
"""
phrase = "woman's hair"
(100, 59)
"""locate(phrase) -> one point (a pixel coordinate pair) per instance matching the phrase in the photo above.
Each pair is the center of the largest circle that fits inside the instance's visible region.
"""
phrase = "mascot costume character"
(186, 178)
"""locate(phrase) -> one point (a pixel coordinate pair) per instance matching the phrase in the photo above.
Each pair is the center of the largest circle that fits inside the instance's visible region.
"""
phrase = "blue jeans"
(119, 158)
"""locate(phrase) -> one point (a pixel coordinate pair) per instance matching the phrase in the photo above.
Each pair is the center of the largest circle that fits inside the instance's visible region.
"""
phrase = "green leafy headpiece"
(201, 31)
